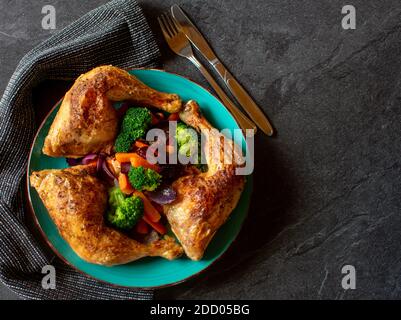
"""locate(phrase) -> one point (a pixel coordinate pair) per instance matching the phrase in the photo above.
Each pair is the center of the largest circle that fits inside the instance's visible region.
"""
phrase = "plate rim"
(60, 256)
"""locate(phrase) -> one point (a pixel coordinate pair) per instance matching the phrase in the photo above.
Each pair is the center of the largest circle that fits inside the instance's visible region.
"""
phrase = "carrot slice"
(138, 161)
(140, 144)
(142, 227)
(124, 184)
(173, 117)
(150, 210)
(155, 225)
(124, 157)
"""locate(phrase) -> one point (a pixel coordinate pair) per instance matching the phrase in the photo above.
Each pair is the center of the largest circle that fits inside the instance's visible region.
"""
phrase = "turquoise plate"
(147, 272)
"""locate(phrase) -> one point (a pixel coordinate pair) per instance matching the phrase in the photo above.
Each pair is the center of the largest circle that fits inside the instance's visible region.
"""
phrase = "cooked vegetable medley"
(140, 188)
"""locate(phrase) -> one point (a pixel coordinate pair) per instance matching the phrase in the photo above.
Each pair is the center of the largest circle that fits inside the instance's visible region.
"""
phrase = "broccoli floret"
(124, 212)
(134, 126)
(116, 197)
(185, 134)
(124, 140)
(144, 178)
(188, 141)
(136, 118)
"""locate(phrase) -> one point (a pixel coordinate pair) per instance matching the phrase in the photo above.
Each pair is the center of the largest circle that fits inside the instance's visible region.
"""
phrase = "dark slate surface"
(327, 187)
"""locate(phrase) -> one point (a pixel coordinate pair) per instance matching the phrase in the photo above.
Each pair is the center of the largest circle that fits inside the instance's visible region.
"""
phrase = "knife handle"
(243, 121)
(243, 98)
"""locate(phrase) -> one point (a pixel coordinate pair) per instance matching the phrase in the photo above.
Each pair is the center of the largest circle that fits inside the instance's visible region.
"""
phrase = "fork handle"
(243, 121)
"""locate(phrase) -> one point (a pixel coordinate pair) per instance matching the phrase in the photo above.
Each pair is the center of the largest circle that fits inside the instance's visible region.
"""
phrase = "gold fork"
(179, 43)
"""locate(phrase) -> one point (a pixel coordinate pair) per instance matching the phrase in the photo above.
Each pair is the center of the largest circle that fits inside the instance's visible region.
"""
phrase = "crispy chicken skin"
(87, 122)
(205, 200)
(76, 201)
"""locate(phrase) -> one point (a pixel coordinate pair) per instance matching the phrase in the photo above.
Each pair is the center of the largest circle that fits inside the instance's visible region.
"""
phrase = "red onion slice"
(125, 167)
(107, 171)
(89, 158)
(163, 195)
(99, 164)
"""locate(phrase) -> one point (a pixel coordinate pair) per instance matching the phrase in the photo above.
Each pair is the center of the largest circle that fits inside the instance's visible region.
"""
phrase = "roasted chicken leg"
(205, 200)
(76, 201)
(87, 122)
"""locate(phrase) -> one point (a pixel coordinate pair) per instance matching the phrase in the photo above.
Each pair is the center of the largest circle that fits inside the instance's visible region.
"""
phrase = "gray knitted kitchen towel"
(115, 33)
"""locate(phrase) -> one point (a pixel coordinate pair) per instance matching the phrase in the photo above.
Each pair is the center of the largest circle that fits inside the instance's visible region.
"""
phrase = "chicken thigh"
(76, 201)
(205, 200)
(87, 122)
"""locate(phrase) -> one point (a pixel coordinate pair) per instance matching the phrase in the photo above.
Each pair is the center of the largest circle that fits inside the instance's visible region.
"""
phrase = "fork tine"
(166, 23)
(171, 24)
(175, 23)
(163, 27)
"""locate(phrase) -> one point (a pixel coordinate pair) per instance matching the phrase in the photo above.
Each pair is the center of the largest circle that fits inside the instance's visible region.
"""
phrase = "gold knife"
(200, 43)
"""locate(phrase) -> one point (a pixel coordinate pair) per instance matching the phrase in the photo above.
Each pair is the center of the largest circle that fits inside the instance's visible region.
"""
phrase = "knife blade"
(200, 43)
